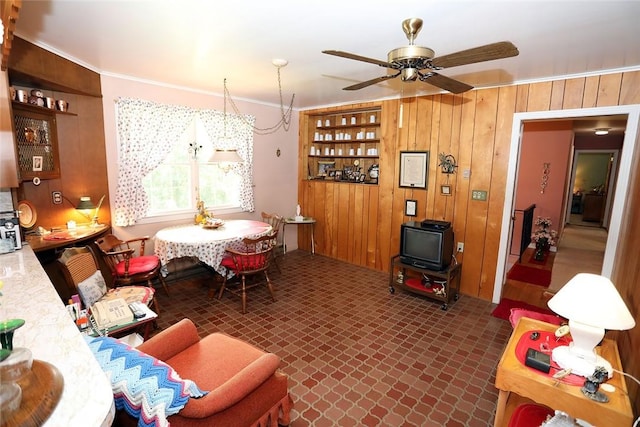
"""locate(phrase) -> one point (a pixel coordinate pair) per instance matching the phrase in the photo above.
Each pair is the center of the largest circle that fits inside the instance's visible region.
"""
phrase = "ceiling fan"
(413, 62)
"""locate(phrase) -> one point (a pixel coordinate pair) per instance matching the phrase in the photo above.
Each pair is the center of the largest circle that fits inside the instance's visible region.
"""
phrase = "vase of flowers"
(543, 237)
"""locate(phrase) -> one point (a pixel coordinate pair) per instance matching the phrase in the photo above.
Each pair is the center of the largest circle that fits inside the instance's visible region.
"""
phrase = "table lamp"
(86, 205)
(592, 304)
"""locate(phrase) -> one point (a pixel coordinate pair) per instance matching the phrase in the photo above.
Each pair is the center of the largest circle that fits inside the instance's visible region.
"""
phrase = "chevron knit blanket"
(145, 387)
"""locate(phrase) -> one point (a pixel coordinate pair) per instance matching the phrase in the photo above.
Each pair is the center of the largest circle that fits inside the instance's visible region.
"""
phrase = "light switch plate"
(479, 195)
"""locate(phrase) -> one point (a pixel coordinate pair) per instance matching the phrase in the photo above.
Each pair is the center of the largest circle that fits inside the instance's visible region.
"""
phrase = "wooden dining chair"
(128, 263)
(80, 269)
(275, 221)
(252, 260)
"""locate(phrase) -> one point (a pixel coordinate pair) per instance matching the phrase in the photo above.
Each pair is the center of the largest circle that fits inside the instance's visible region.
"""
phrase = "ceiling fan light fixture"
(409, 75)
(411, 61)
(602, 131)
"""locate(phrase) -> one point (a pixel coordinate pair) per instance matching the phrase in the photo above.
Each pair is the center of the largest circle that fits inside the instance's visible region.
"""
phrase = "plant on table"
(543, 236)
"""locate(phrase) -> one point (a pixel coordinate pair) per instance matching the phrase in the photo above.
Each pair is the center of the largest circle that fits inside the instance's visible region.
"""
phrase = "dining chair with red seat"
(252, 260)
(128, 263)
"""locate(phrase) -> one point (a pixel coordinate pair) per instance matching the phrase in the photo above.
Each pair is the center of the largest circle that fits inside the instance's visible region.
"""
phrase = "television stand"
(438, 285)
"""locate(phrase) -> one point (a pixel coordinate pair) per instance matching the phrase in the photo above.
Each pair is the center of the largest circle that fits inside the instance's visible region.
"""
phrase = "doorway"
(630, 141)
(593, 177)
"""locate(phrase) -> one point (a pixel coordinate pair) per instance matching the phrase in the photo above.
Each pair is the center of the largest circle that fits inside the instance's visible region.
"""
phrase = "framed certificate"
(413, 169)
(410, 207)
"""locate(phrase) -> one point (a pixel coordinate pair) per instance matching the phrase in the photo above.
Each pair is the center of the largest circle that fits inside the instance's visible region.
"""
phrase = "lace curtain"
(146, 134)
(240, 136)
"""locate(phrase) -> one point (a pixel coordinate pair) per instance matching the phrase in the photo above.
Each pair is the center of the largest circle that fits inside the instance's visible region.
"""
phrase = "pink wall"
(275, 178)
(544, 142)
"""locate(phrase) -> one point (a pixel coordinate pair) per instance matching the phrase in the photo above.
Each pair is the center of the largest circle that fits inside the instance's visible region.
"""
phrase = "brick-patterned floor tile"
(355, 354)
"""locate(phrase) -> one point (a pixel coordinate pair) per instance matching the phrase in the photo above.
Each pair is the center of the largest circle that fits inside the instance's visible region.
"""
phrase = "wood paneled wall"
(360, 224)
(81, 138)
(626, 276)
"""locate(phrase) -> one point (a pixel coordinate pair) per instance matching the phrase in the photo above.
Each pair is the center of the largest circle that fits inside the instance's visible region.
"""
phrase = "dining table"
(206, 243)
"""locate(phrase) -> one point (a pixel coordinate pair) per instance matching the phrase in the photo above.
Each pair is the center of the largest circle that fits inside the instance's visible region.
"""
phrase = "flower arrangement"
(543, 234)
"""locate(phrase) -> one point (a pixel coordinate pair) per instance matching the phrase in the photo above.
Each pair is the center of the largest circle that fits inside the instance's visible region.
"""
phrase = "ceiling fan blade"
(487, 52)
(371, 82)
(446, 83)
(358, 58)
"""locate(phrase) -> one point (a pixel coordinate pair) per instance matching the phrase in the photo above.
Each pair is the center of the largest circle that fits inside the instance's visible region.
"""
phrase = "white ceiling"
(199, 43)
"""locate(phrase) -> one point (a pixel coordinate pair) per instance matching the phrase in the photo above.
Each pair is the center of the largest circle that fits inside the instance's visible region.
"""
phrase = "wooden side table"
(518, 383)
(292, 221)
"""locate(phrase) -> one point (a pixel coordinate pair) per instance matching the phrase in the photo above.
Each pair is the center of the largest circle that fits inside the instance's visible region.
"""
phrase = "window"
(185, 176)
(159, 171)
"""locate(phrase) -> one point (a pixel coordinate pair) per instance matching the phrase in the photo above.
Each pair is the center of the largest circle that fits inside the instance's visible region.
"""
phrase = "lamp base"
(566, 359)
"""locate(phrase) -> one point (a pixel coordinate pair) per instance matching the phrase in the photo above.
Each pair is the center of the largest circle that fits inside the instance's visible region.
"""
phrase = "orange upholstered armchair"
(244, 385)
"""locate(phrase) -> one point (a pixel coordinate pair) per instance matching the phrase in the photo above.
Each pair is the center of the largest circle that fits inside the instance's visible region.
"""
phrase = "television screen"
(426, 245)
(422, 244)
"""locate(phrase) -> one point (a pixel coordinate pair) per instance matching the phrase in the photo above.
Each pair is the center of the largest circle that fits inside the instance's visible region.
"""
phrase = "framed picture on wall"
(37, 163)
(413, 169)
(410, 207)
(445, 190)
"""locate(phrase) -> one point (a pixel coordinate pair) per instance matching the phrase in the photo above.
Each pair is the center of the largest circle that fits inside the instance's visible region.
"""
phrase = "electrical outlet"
(460, 247)
(56, 197)
(479, 195)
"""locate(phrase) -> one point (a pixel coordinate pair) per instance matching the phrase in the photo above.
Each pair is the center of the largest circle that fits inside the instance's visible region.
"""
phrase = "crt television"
(427, 244)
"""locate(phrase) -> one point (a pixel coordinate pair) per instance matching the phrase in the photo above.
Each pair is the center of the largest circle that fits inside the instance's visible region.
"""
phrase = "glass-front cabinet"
(36, 143)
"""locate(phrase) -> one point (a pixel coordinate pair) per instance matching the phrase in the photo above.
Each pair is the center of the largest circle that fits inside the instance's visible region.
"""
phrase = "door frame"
(626, 161)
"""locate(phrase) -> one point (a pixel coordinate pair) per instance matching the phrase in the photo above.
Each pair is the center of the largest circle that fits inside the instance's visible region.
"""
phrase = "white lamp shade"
(225, 156)
(592, 300)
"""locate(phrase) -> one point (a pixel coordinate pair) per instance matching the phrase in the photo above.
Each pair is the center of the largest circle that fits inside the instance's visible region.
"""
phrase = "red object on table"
(545, 343)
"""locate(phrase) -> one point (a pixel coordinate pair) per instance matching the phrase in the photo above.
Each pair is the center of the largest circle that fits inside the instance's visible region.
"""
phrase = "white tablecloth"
(205, 244)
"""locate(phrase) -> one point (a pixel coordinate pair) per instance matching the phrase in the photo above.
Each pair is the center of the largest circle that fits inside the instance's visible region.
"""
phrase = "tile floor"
(355, 354)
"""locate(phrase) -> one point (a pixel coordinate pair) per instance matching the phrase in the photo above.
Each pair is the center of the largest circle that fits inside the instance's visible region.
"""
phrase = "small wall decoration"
(37, 163)
(445, 190)
(194, 148)
(413, 169)
(546, 169)
(447, 163)
(410, 207)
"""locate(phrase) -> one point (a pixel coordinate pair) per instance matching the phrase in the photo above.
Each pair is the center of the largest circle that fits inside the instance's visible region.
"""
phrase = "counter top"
(51, 335)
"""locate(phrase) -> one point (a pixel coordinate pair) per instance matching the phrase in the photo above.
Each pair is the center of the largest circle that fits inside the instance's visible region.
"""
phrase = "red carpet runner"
(535, 276)
(503, 310)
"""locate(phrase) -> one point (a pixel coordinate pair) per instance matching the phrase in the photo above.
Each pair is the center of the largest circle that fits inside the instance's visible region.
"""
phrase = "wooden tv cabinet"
(445, 284)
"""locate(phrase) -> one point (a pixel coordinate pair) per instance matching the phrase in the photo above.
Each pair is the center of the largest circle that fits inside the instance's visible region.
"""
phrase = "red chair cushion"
(140, 264)
(227, 261)
(530, 415)
(245, 262)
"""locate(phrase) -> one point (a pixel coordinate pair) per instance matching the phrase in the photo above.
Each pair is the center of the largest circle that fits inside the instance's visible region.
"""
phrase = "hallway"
(580, 250)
